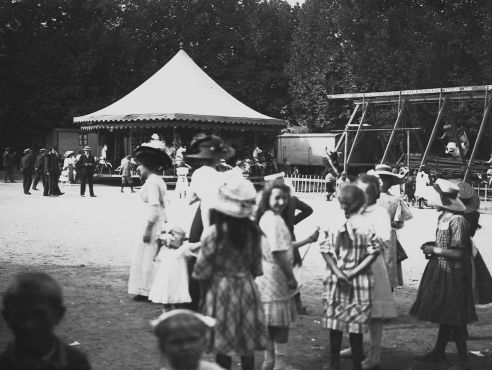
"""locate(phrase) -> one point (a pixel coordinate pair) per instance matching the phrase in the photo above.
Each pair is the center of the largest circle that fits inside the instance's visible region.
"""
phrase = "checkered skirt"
(234, 301)
(348, 309)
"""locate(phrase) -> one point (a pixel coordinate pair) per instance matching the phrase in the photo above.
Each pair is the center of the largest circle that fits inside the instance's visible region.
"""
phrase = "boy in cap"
(32, 307)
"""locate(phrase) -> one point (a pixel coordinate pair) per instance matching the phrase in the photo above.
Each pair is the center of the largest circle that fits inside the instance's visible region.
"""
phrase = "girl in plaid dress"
(349, 252)
(228, 262)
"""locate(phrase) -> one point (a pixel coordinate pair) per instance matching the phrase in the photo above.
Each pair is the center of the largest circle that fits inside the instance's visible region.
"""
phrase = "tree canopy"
(62, 58)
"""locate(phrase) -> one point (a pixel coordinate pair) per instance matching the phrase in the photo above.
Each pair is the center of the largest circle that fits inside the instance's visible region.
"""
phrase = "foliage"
(63, 58)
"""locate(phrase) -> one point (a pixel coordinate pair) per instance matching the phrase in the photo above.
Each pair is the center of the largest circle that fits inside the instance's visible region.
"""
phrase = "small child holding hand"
(32, 307)
(170, 286)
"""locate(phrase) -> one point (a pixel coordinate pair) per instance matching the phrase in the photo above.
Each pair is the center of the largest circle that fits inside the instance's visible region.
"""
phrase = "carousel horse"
(103, 163)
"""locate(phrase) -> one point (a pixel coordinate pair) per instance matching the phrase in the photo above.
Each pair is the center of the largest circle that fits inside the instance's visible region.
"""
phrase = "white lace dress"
(142, 269)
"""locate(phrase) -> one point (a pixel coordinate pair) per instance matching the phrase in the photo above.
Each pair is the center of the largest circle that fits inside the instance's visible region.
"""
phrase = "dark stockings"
(442, 339)
(445, 333)
(356, 346)
(460, 335)
(247, 362)
(336, 346)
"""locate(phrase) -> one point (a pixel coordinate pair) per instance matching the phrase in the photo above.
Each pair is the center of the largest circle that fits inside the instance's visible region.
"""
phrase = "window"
(83, 139)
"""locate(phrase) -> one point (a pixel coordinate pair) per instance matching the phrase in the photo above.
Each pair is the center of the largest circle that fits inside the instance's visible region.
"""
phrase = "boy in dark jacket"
(32, 307)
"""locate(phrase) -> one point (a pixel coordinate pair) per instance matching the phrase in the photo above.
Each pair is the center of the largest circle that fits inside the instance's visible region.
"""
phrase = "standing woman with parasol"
(399, 213)
(153, 159)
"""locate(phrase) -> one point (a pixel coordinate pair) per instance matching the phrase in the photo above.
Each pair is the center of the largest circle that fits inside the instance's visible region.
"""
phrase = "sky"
(292, 2)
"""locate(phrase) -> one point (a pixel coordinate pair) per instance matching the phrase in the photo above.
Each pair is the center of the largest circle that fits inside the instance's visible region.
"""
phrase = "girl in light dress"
(278, 285)
(170, 286)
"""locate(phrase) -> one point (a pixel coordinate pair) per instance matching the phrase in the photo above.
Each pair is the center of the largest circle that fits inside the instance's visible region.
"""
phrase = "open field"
(87, 243)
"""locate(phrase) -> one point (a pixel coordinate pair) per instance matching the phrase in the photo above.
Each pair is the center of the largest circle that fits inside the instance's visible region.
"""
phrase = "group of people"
(239, 261)
(48, 166)
(236, 272)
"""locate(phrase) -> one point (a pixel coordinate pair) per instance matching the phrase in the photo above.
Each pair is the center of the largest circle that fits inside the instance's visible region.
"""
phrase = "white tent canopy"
(179, 91)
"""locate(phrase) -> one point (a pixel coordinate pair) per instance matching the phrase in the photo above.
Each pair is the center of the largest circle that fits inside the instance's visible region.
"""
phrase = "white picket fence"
(315, 186)
(308, 184)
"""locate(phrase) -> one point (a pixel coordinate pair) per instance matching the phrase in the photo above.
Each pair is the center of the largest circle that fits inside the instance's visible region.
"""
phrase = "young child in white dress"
(170, 286)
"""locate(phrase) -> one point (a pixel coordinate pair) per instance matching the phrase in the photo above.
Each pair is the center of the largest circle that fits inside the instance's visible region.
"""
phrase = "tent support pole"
(357, 134)
(442, 106)
(393, 131)
(479, 137)
(345, 153)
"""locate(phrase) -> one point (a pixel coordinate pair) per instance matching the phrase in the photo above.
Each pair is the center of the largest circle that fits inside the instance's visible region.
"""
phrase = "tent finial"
(181, 45)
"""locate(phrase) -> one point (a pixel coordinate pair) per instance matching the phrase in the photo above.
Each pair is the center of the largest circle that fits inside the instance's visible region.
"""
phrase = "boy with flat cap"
(32, 307)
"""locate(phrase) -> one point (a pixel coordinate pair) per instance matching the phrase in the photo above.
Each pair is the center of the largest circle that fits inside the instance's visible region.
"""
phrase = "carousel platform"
(115, 179)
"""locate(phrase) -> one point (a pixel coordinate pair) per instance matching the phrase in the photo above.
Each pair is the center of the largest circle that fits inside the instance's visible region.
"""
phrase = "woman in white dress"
(153, 159)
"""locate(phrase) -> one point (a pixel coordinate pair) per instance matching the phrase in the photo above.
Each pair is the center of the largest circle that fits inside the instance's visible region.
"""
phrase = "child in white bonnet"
(182, 338)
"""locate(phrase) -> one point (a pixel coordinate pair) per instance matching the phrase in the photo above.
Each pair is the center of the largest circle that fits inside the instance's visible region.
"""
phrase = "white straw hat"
(236, 197)
(446, 196)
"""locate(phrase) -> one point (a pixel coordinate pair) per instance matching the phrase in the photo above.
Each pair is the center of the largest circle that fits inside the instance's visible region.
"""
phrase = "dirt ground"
(87, 243)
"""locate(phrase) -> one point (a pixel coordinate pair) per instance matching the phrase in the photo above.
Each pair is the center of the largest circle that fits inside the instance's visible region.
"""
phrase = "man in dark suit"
(292, 218)
(27, 168)
(38, 168)
(86, 166)
(51, 174)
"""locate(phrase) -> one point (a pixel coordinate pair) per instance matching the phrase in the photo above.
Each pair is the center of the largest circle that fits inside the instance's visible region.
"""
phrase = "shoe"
(82, 195)
(431, 357)
(345, 353)
(140, 298)
(34, 189)
(122, 191)
(94, 196)
(28, 193)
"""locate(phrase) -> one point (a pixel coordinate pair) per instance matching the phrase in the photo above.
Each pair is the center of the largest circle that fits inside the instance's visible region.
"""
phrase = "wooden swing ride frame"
(403, 98)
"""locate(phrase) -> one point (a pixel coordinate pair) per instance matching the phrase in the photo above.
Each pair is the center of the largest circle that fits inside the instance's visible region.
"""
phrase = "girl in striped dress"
(349, 252)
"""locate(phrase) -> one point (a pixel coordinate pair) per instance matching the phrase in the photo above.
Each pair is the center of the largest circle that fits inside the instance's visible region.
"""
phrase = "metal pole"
(345, 162)
(392, 136)
(357, 134)
(479, 137)
(408, 150)
(434, 131)
(344, 136)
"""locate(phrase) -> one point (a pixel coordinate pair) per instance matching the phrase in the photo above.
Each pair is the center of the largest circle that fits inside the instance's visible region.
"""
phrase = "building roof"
(180, 93)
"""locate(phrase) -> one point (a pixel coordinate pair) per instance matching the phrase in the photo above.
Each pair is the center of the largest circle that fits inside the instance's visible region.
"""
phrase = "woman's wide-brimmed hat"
(384, 171)
(446, 196)
(236, 197)
(87, 148)
(207, 146)
(469, 197)
(152, 155)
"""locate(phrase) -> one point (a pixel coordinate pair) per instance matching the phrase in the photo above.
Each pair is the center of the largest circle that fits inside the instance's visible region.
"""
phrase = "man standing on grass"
(86, 166)
(27, 168)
